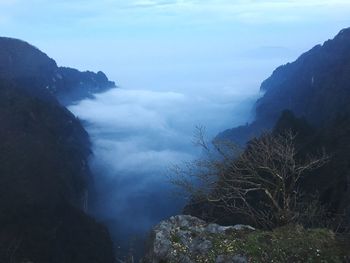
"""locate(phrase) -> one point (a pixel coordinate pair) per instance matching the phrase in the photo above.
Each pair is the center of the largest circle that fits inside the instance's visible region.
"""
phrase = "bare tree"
(262, 182)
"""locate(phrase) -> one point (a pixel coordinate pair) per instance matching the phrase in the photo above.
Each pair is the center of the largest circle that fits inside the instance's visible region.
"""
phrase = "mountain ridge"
(309, 97)
(320, 76)
(22, 62)
(44, 172)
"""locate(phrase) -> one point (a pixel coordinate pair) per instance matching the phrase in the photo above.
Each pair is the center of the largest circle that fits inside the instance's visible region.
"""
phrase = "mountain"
(25, 64)
(310, 97)
(73, 85)
(316, 86)
(44, 173)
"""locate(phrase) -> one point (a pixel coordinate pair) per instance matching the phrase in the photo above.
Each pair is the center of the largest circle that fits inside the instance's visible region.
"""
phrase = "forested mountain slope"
(316, 86)
(44, 172)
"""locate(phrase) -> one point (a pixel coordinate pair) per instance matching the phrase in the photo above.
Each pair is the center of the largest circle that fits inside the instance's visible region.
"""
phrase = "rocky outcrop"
(188, 239)
(72, 85)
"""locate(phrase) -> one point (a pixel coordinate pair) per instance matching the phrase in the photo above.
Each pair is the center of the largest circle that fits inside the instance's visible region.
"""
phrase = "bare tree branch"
(261, 182)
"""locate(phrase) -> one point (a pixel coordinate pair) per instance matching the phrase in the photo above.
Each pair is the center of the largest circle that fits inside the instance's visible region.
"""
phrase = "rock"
(242, 227)
(201, 246)
(188, 239)
(231, 259)
(216, 229)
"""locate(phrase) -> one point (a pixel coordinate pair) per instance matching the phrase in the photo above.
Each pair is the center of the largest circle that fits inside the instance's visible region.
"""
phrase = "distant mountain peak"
(40, 75)
(316, 87)
(344, 33)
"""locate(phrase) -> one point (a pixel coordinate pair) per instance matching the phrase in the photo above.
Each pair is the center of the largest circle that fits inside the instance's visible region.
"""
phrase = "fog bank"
(137, 135)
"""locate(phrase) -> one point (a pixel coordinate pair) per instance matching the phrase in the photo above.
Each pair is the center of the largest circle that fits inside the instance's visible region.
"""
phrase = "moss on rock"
(192, 240)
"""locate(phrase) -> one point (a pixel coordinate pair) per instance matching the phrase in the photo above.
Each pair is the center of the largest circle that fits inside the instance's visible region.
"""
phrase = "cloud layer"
(137, 135)
(147, 130)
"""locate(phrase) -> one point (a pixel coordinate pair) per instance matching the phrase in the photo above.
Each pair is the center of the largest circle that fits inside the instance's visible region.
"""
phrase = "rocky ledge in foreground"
(188, 239)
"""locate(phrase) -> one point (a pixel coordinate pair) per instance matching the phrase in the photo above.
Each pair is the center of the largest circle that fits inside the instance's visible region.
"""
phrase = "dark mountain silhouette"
(316, 87)
(25, 64)
(330, 183)
(44, 151)
(310, 97)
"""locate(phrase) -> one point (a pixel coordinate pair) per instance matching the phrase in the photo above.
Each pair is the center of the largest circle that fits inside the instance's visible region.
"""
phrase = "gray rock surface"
(231, 259)
(187, 239)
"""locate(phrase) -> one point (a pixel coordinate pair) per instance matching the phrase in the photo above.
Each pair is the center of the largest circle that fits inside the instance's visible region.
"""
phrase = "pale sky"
(157, 42)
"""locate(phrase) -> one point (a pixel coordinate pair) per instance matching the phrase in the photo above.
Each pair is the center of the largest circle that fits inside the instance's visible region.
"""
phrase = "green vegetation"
(290, 243)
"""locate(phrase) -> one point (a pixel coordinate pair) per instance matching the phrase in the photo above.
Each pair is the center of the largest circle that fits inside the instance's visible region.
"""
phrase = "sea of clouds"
(137, 135)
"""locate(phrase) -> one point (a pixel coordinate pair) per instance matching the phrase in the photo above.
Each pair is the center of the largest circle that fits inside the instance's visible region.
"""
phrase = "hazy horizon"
(174, 43)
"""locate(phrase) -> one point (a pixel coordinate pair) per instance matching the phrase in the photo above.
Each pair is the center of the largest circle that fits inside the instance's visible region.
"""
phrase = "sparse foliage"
(261, 183)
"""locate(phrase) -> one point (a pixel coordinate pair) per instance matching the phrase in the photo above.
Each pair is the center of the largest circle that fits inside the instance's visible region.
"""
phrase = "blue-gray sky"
(150, 42)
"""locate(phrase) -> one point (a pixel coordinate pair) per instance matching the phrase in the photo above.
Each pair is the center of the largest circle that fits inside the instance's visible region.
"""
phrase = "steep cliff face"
(43, 151)
(44, 177)
(316, 86)
(25, 64)
(44, 172)
(311, 97)
(74, 85)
